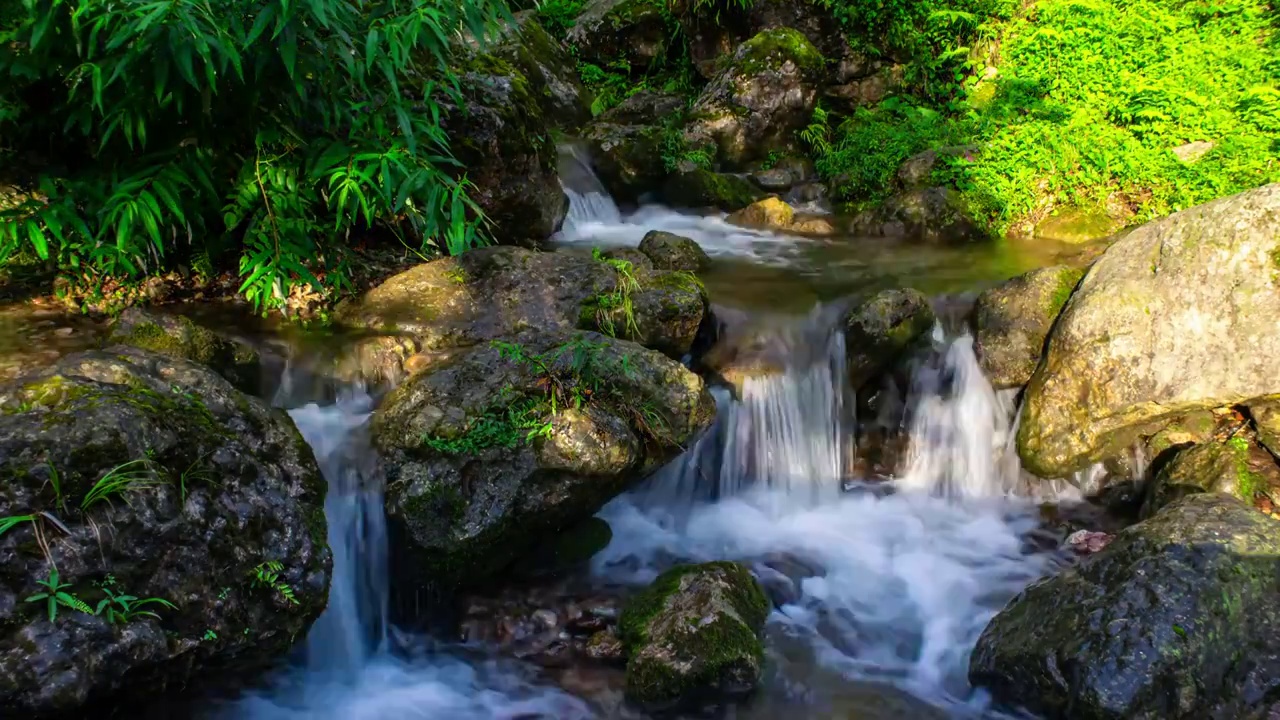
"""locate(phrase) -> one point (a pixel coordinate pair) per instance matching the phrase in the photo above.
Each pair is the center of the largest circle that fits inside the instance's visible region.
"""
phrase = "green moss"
(770, 49)
(721, 649)
(504, 427)
(704, 188)
(747, 598)
(188, 341)
(1248, 483)
(1067, 281)
(439, 500)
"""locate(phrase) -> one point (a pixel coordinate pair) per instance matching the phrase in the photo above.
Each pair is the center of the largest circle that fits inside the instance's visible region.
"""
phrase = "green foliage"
(1091, 98)
(267, 575)
(129, 477)
(273, 129)
(122, 608)
(55, 595)
(676, 152)
(618, 301)
(13, 521)
(515, 422)
(557, 16)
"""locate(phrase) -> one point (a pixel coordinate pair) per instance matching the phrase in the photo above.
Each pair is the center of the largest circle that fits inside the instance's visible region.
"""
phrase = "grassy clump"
(1091, 99)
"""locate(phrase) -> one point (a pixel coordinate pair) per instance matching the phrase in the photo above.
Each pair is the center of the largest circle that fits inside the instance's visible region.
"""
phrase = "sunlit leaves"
(281, 126)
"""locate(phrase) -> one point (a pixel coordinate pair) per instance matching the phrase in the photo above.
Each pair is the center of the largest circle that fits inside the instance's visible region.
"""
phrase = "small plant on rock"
(122, 608)
(55, 595)
(267, 575)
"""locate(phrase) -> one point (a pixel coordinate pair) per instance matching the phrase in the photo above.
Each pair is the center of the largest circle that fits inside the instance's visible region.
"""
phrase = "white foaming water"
(594, 219)
(351, 672)
(889, 588)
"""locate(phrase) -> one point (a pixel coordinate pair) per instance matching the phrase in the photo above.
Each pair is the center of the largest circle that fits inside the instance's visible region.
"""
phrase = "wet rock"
(647, 107)
(1087, 542)
(1012, 320)
(481, 464)
(881, 329)
(495, 292)
(769, 213)
(500, 137)
(1077, 226)
(568, 550)
(217, 487)
(867, 90)
(606, 647)
(179, 337)
(935, 215)
(674, 252)
(1165, 622)
(762, 95)
(773, 179)
(630, 31)
(699, 188)
(693, 637)
(1143, 337)
(551, 72)
(1237, 467)
(1266, 417)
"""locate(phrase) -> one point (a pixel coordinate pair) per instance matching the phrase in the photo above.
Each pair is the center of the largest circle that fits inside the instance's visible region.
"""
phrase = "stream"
(886, 586)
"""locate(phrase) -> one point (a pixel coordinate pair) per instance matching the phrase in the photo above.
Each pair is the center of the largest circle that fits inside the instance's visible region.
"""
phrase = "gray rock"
(1208, 467)
(693, 637)
(765, 92)
(631, 31)
(700, 188)
(936, 214)
(1193, 151)
(1166, 623)
(491, 453)
(627, 157)
(881, 329)
(773, 179)
(674, 252)
(1149, 333)
(1012, 320)
(220, 484)
(916, 172)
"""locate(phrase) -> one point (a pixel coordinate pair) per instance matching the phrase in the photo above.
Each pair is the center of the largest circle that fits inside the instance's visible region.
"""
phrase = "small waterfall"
(961, 431)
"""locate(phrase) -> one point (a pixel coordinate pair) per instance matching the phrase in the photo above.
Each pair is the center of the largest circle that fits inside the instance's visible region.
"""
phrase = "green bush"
(1091, 98)
(145, 133)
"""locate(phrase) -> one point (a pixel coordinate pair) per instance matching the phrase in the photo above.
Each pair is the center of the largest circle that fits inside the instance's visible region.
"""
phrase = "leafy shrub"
(147, 133)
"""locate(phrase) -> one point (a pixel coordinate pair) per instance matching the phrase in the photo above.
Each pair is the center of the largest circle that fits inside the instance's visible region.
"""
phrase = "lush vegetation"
(140, 135)
(1091, 99)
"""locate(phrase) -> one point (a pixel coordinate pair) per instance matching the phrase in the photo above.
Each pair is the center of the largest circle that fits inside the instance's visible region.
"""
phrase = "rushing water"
(881, 589)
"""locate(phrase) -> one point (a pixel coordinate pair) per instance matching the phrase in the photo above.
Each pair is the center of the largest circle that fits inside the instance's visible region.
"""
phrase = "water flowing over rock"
(1167, 622)
(765, 92)
(179, 337)
(1157, 328)
(148, 475)
(881, 329)
(480, 462)
(1011, 322)
(693, 637)
(500, 291)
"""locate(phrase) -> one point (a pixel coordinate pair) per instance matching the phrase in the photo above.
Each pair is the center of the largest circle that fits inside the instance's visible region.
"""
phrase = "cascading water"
(357, 667)
(594, 219)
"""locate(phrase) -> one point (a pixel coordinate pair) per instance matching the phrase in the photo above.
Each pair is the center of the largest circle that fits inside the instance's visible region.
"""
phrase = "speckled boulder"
(1012, 320)
(210, 488)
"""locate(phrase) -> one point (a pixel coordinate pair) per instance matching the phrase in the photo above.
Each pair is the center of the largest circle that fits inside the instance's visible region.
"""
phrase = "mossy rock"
(669, 251)
(221, 483)
(631, 33)
(568, 550)
(882, 329)
(179, 337)
(771, 49)
(1012, 321)
(700, 188)
(693, 637)
(1237, 467)
(627, 157)
(1165, 623)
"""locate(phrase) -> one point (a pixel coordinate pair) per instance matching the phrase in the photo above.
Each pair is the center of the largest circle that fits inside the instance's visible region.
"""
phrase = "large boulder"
(933, 215)
(628, 32)
(1166, 623)
(627, 143)
(496, 292)
(881, 329)
(1012, 320)
(763, 94)
(179, 337)
(498, 132)
(693, 637)
(1176, 316)
(140, 474)
(551, 72)
(515, 441)
(700, 188)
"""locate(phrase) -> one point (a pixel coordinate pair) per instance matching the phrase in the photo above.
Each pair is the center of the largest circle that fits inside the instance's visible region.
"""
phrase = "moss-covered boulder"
(881, 329)
(179, 337)
(629, 32)
(674, 252)
(693, 637)
(931, 215)
(699, 188)
(1266, 419)
(496, 292)
(499, 133)
(1176, 316)
(1012, 321)
(136, 473)
(512, 442)
(627, 143)
(551, 72)
(1168, 622)
(761, 96)
(1237, 467)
